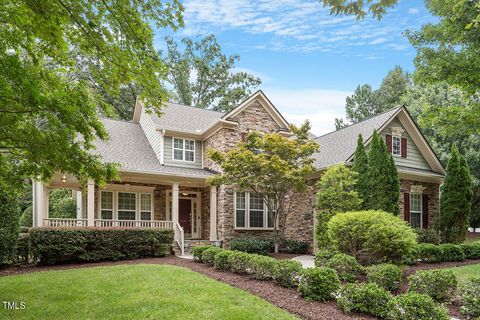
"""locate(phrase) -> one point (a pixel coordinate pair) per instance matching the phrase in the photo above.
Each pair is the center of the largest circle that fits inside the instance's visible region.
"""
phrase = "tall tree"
(360, 166)
(273, 166)
(48, 116)
(360, 8)
(203, 76)
(455, 204)
(336, 192)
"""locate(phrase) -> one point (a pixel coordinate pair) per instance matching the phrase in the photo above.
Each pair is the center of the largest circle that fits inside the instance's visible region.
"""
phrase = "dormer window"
(183, 150)
(396, 146)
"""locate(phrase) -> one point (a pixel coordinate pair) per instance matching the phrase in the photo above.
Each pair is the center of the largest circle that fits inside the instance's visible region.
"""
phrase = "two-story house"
(164, 168)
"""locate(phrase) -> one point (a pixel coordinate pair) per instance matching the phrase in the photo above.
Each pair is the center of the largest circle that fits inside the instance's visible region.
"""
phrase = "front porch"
(188, 206)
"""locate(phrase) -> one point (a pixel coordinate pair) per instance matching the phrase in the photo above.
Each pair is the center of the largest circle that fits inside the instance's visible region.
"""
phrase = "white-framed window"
(127, 205)
(416, 210)
(251, 212)
(396, 145)
(106, 205)
(183, 149)
(145, 206)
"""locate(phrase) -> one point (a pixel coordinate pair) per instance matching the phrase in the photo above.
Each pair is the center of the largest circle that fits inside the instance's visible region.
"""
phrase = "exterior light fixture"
(64, 179)
(184, 194)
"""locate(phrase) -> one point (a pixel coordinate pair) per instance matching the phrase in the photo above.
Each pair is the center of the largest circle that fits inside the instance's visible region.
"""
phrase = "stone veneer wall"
(433, 192)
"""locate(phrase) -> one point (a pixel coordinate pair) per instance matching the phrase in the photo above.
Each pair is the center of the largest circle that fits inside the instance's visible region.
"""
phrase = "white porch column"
(175, 203)
(90, 203)
(40, 203)
(79, 198)
(213, 213)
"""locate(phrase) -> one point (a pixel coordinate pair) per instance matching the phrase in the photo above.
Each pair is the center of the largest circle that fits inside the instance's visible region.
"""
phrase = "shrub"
(53, 245)
(286, 272)
(23, 248)
(452, 252)
(368, 298)
(26, 219)
(347, 267)
(387, 276)
(429, 253)
(438, 284)
(371, 236)
(197, 252)
(222, 260)
(294, 246)
(427, 235)
(239, 261)
(9, 226)
(318, 283)
(261, 267)
(208, 256)
(251, 245)
(471, 250)
(323, 256)
(415, 306)
(470, 293)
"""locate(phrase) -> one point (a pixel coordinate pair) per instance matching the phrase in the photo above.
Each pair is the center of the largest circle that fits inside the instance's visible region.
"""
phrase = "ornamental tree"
(271, 165)
(360, 167)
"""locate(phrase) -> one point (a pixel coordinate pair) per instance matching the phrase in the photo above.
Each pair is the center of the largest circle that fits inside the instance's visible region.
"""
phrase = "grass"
(130, 292)
(465, 272)
(472, 237)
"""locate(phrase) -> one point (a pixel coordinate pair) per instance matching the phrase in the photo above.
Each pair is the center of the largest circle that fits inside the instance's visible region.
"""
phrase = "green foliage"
(471, 250)
(347, 267)
(323, 256)
(415, 306)
(26, 219)
(56, 245)
(367, 298)
(470, 296)
(438, 284)
(271, 165)
(251, 245)
(294, 246)
(9, 225)
(318, 284)
(452, 252)
(372, 236)
(360, 166)
(197, 252)
(23, 251)
(216, 85)
(61, 204)
(286, 273)
(427, 235)
(261, 267)
(208, 256)
(359, 8)
(387, 276)
(383, 181)
(456, 201)
(335, 193)
(428, 252)
(239, 262)
(222, 260)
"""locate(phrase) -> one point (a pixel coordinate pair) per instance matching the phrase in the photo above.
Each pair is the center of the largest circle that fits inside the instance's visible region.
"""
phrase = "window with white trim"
(251, 212)
(127, 205)
(396, 145)
(106, 205)
(183, 149)
(416, 210)
(145, 206)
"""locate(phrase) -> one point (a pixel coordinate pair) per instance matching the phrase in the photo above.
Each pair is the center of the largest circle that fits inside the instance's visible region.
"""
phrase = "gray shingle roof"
(185, 118)
(336, 147)
(129, 147)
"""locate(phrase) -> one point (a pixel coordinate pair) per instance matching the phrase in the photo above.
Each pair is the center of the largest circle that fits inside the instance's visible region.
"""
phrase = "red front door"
(185, 215)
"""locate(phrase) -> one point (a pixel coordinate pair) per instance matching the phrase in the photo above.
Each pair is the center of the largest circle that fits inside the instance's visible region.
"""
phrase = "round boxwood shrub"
(368, 298)
(261, 267)
(386, 275)
(238, 261)
(208, 256)
(347, 267)
(471, 250)
(286, 273)
(197, 252)
(222, 260)
(452, 252)
(318, 284)
(322, 256)
(415, 306)
(429, 253)
(371, 236)
(438, 284)
(470, 294)
(251, 245)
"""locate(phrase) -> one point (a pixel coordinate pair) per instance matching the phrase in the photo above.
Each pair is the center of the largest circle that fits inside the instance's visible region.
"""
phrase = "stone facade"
(433, 192)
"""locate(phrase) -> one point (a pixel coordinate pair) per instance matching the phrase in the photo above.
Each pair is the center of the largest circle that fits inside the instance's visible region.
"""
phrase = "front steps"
(189, 244)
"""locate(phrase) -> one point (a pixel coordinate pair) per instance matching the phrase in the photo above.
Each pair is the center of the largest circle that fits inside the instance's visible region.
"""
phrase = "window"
(396, 146)
(183, 149)
(106, 205)
(416, 210)
(126, 206)
(251, 212)
(145, 206)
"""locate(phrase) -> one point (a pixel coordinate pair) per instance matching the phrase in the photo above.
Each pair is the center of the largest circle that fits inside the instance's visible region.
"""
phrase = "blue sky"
(308, 60)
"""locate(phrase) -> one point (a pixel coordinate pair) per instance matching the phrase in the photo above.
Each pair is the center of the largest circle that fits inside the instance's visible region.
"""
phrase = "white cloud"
(413, 10)
(319, 106)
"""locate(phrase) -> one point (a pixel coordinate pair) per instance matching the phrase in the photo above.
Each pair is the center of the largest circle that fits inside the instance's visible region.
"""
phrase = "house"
(164, 168)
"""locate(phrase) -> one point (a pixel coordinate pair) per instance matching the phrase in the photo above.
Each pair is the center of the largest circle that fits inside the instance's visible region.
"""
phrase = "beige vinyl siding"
(186, 164)
(154, 137)
(414, 158)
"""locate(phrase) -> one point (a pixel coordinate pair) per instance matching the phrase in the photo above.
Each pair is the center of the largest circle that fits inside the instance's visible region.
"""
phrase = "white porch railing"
(134, 223)
(64, 222)
(179, 237)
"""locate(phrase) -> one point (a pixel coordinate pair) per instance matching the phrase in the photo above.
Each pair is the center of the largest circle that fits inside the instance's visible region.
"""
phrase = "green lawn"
(468, 271)
(472, 237)
(130, 292)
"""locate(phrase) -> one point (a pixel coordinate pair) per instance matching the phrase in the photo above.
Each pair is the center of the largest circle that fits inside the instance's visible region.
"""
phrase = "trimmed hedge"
(261, 267)
(197, 252)
(294, 246)
(367, 298)
(323, 256)
(452, 252)
(415, 306)
(251, 245)
(387, 276)
(438, 284)
(286, 273)
(23, 249)
(471, 250)
(430, 253)
(470, 293)
(208, 255)
(55, 245)
(318, 284)
(347, 267)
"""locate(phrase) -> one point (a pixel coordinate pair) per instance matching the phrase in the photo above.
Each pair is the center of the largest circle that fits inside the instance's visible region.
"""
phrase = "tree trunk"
(276, 247)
